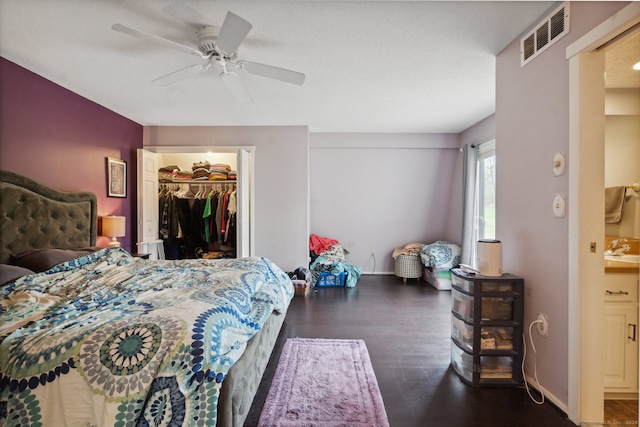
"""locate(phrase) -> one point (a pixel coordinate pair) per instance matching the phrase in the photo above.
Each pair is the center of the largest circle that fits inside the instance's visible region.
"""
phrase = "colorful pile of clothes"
(180, 175)
(200, 171)
(166, 173)
(219, 171)
(328, 256)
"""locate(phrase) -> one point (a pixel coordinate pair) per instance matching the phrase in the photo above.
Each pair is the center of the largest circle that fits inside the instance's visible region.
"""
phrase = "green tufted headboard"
(33, 216)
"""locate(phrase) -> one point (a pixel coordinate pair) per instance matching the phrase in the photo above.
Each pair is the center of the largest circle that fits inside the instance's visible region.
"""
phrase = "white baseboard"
(378, 273)
(547, 395)
(619, 395)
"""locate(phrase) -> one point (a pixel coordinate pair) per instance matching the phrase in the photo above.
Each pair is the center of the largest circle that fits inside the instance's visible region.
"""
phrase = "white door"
(245, 205)
(148, 241)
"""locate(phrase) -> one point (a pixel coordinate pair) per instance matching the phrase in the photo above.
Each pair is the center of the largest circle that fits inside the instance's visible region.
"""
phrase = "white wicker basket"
(408, 266)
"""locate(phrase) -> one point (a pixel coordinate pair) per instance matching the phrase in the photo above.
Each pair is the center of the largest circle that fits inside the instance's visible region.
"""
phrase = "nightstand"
(487, 316)
(143, 256)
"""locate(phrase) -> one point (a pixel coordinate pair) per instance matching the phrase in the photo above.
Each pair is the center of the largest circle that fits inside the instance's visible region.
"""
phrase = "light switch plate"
(559, 205)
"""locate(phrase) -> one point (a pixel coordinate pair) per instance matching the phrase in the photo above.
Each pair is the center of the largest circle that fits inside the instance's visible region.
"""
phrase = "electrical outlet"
(543, 324)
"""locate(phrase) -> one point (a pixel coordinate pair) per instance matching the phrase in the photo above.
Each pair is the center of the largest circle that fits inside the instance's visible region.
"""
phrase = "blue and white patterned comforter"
(111, 340)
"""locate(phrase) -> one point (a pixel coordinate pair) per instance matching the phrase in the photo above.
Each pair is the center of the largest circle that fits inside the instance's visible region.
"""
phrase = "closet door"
(244, 244)
(147, 198)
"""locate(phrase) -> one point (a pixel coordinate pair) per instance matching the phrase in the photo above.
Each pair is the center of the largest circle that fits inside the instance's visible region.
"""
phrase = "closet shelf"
(215, 181)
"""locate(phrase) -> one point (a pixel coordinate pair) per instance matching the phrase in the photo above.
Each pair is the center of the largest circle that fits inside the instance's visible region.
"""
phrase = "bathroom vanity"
(621, 328)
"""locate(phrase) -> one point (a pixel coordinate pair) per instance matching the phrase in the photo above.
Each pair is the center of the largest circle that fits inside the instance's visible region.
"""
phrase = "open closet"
(194, 204)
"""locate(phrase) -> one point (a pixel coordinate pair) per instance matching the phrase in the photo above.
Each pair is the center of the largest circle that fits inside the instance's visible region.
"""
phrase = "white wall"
(372, 192)
(532, 123)
(622, 102)
(280, 181)
(622, 167)
(377, 192)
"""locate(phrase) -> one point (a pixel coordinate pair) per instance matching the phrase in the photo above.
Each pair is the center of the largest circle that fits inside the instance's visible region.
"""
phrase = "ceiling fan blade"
(155, 39)
(176, 76)
(273, 72)
(234, 84)
(233, 31)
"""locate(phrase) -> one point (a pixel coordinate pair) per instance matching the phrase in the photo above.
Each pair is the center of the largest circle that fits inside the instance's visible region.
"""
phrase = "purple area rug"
(324, 383)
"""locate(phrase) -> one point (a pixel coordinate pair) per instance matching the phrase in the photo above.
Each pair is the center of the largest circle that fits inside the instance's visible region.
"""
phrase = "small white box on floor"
(301, 287)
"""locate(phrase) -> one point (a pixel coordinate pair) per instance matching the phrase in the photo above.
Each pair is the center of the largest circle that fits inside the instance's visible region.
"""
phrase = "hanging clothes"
(194, 224)
(230, 236)
(209, 224)
(163, 201)
(168, 215)
(197, 228)
(169, 228)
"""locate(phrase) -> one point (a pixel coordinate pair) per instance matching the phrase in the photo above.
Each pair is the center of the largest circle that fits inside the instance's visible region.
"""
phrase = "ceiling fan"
(219, 47)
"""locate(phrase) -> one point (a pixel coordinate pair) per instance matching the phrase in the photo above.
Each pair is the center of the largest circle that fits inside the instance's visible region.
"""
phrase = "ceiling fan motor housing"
(207, 37)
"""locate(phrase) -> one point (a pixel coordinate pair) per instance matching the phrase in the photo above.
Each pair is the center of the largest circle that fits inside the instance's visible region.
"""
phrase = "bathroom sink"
(623, 258)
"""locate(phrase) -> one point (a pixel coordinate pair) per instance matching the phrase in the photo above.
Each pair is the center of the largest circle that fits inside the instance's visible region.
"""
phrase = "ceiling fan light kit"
(235, 86)
(218, 45)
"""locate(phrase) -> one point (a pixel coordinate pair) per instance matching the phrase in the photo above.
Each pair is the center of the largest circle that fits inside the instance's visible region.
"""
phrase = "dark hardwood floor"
(406, 327)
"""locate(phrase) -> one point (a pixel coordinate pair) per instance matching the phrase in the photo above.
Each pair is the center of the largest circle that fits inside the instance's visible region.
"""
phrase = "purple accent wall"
(61, 139)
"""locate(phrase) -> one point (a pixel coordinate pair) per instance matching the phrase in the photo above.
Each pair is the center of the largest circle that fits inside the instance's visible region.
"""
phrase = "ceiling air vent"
(546, 33)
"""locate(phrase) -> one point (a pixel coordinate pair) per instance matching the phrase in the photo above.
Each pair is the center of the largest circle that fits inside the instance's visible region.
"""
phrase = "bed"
(95, 336)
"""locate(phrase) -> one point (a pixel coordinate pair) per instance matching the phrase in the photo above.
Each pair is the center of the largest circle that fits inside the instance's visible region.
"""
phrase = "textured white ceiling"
(620, 58)
(370, 66)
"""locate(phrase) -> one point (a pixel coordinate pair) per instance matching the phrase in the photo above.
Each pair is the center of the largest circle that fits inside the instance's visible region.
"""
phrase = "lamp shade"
(114, 226)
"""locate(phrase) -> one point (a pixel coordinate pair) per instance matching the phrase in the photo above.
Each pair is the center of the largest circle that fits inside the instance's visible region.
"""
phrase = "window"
(479, 200)
(486, 193)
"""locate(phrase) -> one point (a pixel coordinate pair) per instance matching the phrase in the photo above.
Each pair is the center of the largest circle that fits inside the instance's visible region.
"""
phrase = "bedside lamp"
(114, 226)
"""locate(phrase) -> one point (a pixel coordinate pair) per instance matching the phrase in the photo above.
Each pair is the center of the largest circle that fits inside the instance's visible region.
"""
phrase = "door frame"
(244, 180)
(586, 225)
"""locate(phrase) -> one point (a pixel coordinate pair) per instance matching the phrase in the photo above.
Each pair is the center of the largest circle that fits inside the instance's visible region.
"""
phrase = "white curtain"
(469, 205)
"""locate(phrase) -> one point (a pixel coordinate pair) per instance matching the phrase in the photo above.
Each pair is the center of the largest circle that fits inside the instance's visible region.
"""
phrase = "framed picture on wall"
(116, 178)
